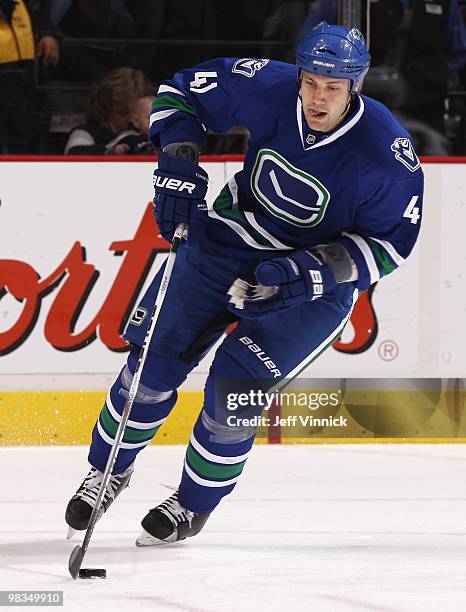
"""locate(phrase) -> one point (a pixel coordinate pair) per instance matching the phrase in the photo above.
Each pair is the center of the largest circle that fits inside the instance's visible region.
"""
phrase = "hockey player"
(327, 203)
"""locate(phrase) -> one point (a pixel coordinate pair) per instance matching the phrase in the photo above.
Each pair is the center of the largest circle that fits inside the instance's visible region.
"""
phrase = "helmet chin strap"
(351, 97)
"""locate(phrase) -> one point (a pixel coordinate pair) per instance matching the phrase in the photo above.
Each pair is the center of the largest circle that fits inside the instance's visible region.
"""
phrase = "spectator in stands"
(113, 104)
(25, 33)
(138, 144)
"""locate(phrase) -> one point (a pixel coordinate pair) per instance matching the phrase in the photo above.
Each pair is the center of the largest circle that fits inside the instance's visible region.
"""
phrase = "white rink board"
(46, 207)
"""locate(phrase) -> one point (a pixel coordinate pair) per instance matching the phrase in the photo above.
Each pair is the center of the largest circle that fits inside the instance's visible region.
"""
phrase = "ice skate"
(170, 522)
(80, 506)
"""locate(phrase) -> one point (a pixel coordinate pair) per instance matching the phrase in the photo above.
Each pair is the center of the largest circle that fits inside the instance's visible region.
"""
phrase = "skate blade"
(71, 533)
(145, 539)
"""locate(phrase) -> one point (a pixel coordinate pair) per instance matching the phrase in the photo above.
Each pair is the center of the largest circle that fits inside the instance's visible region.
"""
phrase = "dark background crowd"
(78, 76)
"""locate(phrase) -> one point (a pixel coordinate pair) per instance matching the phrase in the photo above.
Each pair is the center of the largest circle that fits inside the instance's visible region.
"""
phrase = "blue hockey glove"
(283, 282)
(180, 187)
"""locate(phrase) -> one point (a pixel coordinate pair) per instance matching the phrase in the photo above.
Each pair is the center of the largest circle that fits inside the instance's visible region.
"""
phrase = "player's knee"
(146, 393)
(160, 377)
(231, 401)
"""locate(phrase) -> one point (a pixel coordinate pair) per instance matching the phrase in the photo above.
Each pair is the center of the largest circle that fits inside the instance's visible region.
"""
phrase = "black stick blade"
(76, 558)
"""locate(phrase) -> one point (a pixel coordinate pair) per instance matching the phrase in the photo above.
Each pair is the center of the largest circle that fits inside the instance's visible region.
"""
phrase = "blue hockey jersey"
(360, 185)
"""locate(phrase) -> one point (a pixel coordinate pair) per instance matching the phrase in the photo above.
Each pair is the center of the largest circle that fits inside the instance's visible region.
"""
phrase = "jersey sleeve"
(386, 228)
(199, 98)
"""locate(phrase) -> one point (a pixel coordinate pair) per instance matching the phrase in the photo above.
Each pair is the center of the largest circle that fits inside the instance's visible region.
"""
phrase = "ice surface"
(315, 527)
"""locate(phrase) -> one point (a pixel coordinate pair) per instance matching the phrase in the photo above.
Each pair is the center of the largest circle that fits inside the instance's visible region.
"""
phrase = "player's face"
(325, 101)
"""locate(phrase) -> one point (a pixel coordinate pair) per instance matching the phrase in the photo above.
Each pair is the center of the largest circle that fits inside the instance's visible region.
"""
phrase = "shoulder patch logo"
(405, 154)
(249, 66)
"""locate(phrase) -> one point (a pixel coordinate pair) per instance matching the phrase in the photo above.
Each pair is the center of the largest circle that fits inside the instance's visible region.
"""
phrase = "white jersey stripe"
(276, 243)
(236, 227)
(128, 445)
(391, 251)
(208, 483)
(163, 114)
(233, 187)
(367, 254)
(133, 424)
(169, 89)
(216, 458)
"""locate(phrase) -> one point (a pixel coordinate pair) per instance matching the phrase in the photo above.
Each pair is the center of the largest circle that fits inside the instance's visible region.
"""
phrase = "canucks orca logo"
(248, 67)
(405, 154)
(288, 192)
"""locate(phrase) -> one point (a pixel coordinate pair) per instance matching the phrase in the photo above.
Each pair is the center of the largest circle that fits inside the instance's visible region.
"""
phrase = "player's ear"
(300, 81)
(361, 83)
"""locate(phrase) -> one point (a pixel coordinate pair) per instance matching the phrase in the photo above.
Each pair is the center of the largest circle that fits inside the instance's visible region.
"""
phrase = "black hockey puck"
(92, 573)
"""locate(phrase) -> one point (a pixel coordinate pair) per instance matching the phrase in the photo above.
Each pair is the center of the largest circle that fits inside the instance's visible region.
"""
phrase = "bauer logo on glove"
(180, 187)
(171, 183)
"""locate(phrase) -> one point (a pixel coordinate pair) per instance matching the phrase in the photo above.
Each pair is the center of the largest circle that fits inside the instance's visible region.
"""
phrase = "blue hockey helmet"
(334, 51)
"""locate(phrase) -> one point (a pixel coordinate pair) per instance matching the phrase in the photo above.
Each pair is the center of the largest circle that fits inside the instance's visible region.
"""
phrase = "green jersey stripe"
(203, 452)
(223, 206)
(111, 426)
(209, 470)
(127, 445)
(167, 101)
(382, 258)
(208, 483)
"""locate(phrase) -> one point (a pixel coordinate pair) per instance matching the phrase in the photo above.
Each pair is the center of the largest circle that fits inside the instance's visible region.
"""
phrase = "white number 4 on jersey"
(412, 211)
(201, 84)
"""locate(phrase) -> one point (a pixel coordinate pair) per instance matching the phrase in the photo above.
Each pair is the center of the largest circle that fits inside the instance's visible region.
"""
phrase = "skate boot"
(170, 522)
(79, 509)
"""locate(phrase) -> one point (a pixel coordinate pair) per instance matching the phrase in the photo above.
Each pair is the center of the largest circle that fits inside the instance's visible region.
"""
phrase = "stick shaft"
(179, 234)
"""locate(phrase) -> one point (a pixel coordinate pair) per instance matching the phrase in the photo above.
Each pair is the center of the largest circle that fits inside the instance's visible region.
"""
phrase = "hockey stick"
(77, 556)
